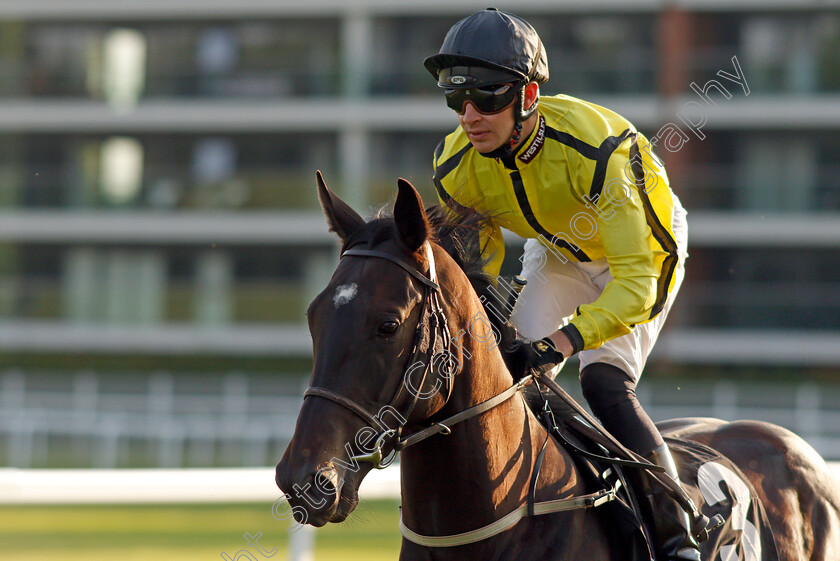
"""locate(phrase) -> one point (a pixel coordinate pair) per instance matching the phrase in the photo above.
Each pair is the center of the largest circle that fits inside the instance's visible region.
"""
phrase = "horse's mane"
(457, 232)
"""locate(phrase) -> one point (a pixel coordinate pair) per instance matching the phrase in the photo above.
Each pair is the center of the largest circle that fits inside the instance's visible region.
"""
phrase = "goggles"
(487, 99)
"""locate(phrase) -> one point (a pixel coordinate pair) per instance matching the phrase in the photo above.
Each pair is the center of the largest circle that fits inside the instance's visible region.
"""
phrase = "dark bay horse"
(402, 349)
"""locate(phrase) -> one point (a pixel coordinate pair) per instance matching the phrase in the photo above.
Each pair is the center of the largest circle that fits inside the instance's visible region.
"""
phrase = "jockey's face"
(486, 131)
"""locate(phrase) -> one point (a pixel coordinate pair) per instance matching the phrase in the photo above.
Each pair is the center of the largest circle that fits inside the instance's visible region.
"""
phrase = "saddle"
(625, 511)
(731, 522)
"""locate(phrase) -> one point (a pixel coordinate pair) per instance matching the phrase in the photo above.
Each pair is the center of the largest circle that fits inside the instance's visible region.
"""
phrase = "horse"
(471, 487)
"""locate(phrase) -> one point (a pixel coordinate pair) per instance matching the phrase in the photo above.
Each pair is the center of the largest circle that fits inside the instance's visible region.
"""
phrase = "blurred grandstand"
(160, 237)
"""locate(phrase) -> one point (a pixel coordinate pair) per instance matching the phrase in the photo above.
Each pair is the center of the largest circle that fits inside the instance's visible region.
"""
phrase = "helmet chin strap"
(507, 150)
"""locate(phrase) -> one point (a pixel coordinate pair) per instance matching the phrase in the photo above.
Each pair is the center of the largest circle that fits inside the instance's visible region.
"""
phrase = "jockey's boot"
(672, 536)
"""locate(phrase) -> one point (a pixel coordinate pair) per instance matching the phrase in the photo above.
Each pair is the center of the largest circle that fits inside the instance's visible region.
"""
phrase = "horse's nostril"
(326, 481)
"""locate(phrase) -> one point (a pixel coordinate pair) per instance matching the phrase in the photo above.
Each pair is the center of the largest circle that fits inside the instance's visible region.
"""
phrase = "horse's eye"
(388, 327)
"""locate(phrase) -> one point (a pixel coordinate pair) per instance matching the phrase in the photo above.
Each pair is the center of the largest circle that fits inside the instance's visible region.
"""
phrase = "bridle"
(433, 319)
(432, 315)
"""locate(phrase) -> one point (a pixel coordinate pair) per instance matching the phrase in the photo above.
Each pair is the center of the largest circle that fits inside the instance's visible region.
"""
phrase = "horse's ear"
(342, 219)
(411, 219)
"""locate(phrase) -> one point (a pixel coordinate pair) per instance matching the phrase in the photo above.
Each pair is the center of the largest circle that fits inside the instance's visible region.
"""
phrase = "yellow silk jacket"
(587, 185)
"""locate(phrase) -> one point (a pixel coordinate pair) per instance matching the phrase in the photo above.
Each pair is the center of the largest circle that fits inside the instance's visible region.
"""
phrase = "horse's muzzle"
(314, 496)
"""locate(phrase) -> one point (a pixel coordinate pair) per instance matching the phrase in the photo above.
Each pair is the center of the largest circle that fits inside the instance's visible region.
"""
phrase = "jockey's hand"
(525, 357)
(546, 352)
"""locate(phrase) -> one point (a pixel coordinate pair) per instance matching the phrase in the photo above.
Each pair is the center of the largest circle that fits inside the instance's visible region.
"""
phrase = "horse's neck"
(463, 470)
(481, 471)
(485, 464)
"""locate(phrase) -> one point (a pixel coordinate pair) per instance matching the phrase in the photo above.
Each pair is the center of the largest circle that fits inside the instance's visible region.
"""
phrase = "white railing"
(150, 486)
(161, 486)
(751, 347)
(181, 427)
(101, 420)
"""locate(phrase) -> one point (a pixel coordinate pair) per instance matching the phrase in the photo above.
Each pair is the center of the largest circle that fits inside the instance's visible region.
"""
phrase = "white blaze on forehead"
(344, 294)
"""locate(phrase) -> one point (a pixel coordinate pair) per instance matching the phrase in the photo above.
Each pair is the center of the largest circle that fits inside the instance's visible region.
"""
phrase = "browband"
(408, 268)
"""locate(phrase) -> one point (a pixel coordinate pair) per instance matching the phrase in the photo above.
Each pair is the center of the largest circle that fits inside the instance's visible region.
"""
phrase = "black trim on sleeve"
(439, 150)
(587, 150)
(528, 213)
(444, 168)
(604, 152)
(601, 154)
(660, 234)
(572, 332)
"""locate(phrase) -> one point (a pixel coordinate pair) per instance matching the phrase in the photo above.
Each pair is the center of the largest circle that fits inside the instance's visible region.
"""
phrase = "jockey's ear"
(532, 94)
(342, 219)
(412, 222)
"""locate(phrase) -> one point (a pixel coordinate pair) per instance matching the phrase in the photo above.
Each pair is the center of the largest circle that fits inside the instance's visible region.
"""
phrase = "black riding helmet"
(490, 47)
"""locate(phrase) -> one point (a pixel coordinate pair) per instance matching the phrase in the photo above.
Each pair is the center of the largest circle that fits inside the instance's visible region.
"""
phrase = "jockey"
(606, 235)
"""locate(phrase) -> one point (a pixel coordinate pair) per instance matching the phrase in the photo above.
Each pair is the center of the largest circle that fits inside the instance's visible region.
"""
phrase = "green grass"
(185, 533)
